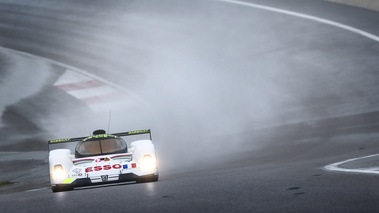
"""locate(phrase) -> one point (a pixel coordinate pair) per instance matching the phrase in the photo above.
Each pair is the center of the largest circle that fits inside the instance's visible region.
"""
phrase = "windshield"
(79, 148)
(100, 147)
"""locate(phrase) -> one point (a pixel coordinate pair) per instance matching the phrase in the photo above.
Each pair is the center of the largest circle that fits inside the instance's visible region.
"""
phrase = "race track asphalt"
(247, 105)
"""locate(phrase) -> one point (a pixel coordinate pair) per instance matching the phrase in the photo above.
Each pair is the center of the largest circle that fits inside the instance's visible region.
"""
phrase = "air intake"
(99, 132)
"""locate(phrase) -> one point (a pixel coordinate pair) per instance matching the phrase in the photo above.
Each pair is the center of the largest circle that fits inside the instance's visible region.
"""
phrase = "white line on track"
(301, 15)
(335, 166)
(34, 190)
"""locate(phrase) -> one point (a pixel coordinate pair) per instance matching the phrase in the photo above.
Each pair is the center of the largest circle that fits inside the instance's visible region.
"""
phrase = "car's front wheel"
(148, 178)
(59, 188)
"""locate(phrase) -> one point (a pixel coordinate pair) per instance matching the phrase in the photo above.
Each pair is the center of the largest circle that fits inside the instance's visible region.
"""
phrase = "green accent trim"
(69, 180)
(105, 136)
(60, 140)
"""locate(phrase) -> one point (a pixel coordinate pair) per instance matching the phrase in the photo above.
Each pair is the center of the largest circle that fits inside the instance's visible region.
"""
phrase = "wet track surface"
(246, 105)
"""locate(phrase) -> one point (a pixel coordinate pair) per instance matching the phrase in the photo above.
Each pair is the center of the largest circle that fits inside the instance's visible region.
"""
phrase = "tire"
(154, 178)
(148, 178)
(61, 188)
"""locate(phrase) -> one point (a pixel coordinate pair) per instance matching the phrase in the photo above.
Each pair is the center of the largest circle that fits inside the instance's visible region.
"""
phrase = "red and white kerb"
(96, 94)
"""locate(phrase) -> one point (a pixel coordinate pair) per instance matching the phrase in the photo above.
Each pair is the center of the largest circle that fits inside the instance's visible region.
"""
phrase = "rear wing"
(121, 134)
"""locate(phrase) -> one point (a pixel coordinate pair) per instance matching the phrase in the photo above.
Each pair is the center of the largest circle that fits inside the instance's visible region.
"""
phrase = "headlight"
(58, 172)
(148, 163)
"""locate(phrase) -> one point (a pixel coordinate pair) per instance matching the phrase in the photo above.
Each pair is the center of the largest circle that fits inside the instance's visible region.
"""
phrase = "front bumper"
(78, 182)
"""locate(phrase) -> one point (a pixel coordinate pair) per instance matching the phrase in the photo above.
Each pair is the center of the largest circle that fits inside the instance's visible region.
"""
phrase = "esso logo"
(105, 167)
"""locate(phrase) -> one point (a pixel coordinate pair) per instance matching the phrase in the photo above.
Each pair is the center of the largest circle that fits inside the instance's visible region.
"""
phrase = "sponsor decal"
(139, 131)
(60, 140)
(105, 167)
(77, 170)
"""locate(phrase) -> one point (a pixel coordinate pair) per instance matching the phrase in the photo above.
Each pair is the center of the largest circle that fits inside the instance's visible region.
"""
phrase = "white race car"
(101, 158)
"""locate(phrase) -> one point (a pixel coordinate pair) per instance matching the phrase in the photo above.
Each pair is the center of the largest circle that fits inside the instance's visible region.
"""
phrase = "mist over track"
(245, 105)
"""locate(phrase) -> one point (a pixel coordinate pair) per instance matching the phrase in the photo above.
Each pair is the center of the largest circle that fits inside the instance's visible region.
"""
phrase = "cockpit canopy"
(100, 145)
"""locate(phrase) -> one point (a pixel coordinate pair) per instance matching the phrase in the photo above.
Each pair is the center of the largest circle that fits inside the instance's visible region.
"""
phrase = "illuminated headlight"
(58, 172)
(148, 163)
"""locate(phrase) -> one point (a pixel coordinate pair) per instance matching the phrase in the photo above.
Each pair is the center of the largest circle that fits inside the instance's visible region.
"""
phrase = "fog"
(197, 75)
(21, 77)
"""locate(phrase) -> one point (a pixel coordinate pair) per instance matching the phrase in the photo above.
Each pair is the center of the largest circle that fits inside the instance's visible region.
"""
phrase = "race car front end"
(104, 169)
(101, 158)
